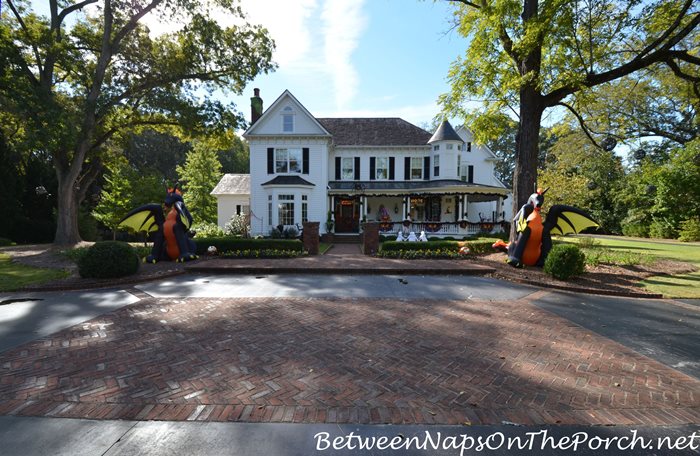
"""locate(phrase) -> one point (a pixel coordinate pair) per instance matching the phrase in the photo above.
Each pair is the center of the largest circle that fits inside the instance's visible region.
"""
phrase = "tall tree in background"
(76, 79)
(531, 55)
(199, 175)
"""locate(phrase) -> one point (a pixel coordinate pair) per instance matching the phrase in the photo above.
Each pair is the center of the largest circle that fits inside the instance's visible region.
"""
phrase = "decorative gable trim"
(251, 131)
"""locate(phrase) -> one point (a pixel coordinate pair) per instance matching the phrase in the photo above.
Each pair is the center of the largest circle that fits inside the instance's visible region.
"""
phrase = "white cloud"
(290, 25)
(343, 23)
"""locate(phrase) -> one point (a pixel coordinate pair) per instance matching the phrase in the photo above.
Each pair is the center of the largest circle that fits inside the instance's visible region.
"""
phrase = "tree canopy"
(526, 56)
(91, 69)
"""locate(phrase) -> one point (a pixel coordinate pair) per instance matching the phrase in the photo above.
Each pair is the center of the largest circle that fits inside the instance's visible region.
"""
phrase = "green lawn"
(677, 286)
(14, 276)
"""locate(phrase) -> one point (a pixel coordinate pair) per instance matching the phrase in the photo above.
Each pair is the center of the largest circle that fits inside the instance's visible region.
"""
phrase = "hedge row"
(229, 244)
(477, 246)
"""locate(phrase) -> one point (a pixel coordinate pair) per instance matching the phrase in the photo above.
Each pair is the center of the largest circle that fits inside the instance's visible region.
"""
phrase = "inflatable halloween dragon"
(171, 240)
(534, 239)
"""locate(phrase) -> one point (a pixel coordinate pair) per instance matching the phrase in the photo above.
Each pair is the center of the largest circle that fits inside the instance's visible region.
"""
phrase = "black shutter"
(391, 168)
(372, 168)
(407, 168)
(305, 160)
(357, 168)
(270, 160)
(426, 168)
(470, 179)
(337, 168)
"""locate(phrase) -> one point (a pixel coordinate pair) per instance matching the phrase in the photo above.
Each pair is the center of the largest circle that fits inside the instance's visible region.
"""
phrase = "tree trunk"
(67, 212)
(526, 149)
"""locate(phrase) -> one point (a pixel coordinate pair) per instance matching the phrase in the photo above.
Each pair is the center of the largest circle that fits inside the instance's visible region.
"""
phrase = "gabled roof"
(273, 107)
(390, 131)
(233, 184)
(483, 146)
(445, 132)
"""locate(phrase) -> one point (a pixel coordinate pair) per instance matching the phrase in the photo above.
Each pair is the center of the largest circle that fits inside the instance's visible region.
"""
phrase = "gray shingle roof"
(445, 132)
(390, 131)
(288, 180)
(233, 184)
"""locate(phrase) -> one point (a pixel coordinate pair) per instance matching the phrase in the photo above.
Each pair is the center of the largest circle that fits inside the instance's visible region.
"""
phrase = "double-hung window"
(381, 168)
(288, 120)
(304, 208)
(285, 209)
(288, 161)
(436, 165)
(347, 168)
(416, 168)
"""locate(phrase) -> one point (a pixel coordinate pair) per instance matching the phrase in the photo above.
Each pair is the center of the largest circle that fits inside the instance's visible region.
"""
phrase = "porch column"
(406, 207)
(499, 205)
(466, 207)
(460, 207)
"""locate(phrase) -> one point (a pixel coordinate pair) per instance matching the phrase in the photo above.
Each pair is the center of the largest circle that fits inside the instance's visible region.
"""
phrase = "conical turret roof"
(445, 132)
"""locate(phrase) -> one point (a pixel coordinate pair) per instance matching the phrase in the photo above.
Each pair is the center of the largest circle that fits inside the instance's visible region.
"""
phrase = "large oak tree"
(532, 55)
(91, 69)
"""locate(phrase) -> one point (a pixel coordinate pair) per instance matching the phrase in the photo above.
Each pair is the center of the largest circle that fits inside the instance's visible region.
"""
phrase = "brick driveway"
(341, 360)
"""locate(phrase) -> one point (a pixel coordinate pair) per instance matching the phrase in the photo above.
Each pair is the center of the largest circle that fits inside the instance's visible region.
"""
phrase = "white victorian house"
(350, 170)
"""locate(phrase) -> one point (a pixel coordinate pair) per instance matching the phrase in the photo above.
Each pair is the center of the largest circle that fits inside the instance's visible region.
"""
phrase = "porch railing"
(442, 228)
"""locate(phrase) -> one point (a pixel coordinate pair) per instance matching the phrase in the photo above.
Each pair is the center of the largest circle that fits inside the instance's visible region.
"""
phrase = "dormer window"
(288, 120)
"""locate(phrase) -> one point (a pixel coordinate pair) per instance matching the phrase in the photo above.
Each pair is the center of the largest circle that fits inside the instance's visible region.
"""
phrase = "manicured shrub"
(690, 230)
(636, 229)
(207, 229)
(565, 261)
(430, 245)
(237, 225)
(108, 259)
(663, 229)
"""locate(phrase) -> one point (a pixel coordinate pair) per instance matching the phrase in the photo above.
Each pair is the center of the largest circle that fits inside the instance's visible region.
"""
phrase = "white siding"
(226, 207)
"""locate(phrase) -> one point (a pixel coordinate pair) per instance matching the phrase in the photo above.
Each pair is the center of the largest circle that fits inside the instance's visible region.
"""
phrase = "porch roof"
(409, 188)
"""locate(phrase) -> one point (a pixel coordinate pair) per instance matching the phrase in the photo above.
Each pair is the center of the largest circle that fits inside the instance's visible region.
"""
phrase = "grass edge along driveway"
(14, 276)
(677, 286)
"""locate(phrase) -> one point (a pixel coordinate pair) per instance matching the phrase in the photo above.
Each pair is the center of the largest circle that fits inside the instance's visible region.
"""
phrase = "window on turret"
(436, 147)
(436, 165)
(449, 146)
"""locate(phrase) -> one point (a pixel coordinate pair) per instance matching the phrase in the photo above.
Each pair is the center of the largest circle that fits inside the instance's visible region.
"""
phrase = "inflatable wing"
(563, 219)
(148, 218)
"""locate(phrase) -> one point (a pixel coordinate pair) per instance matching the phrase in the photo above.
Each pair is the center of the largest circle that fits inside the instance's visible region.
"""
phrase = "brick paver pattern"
(341, 360)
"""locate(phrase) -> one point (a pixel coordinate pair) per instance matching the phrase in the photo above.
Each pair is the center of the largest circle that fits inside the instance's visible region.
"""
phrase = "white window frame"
(288, 161)
(381, 164)
(347, 173)
(449, 146)
(288, 120)
(304, 208)
(436, 165)
(436, 147)
(419, 168)
(285, 209)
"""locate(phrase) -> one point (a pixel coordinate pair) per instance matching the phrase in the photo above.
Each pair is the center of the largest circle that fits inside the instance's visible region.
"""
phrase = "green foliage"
(565, 261)
(582, 175)
(153, 152)
(87, 225)
(237, 225)
(262, 253)
(108, 259)
(229, 244)
(72, 91)
(5, 242)
(200, 173)
(663, 229)
(390, 246)
(433, 254)
(690, 230)
(207, 230)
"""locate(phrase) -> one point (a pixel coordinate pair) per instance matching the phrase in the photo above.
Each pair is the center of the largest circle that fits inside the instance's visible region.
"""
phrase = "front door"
(347, 216)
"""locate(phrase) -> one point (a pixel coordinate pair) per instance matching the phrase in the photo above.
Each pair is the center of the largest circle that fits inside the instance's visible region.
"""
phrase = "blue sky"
(358, 58)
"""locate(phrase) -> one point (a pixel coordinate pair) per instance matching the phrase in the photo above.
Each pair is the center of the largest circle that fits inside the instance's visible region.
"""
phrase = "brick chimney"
(256, 106)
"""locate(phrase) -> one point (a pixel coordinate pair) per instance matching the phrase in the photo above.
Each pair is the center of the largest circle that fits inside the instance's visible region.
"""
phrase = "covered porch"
(439, 208)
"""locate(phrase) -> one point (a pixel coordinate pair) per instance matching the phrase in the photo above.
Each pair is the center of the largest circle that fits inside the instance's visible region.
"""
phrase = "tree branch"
(133, 21)
(466, 2)
(581, 122)
(26, 32)
(667, 32)
(62, 15)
